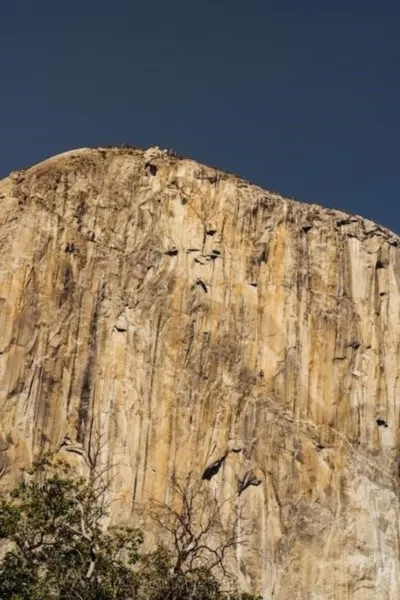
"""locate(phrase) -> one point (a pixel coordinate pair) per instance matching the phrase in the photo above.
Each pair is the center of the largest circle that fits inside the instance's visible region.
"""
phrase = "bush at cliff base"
(59, 547)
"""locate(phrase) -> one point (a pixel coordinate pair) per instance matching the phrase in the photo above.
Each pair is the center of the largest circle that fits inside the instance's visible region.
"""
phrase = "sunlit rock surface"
(183, 320)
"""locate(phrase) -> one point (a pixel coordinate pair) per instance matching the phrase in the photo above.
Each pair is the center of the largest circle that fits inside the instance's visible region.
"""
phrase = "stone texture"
(187, 318)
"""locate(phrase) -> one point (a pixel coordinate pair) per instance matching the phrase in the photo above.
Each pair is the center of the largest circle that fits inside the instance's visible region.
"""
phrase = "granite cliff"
(196, 323)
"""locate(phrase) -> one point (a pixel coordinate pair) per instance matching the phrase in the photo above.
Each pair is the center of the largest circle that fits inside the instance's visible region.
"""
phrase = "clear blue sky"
(301, 97)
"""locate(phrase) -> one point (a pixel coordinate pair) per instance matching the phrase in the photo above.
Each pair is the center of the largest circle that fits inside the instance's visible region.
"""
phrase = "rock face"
(194, 322)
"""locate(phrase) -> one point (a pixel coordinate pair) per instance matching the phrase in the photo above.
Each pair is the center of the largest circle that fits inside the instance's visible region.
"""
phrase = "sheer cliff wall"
(182, 319)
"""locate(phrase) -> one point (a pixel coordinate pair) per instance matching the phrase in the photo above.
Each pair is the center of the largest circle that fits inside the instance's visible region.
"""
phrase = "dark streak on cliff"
(83, 411)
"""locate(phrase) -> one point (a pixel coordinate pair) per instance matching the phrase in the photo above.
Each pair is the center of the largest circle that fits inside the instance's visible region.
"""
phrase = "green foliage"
(161, 581)
(60, 547)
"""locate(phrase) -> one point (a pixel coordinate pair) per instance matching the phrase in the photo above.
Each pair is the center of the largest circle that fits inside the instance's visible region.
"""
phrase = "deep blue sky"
(301, 97)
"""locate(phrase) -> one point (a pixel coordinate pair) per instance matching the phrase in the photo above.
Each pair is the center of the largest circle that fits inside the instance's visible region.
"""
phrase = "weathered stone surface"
(196, 322)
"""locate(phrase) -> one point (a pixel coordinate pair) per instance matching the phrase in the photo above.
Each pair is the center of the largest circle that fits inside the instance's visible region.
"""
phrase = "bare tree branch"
(195, 529)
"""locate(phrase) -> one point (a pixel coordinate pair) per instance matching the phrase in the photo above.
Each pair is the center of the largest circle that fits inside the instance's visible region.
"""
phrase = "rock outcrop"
(183, 320)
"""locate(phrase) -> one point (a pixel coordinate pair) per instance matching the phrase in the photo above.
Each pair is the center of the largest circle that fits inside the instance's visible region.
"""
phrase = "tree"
(194, 559)
(61, 546)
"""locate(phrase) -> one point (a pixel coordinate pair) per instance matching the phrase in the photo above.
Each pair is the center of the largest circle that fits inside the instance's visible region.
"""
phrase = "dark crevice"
(355, 344)
(342, 222)
(381, 422)
(213, 468)
(16, 390)
(67, 283)
(319, 446)
(150, 169)
(263, 257)
(249, 479)
(80, 213)
(135, 487)
(202, 285)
